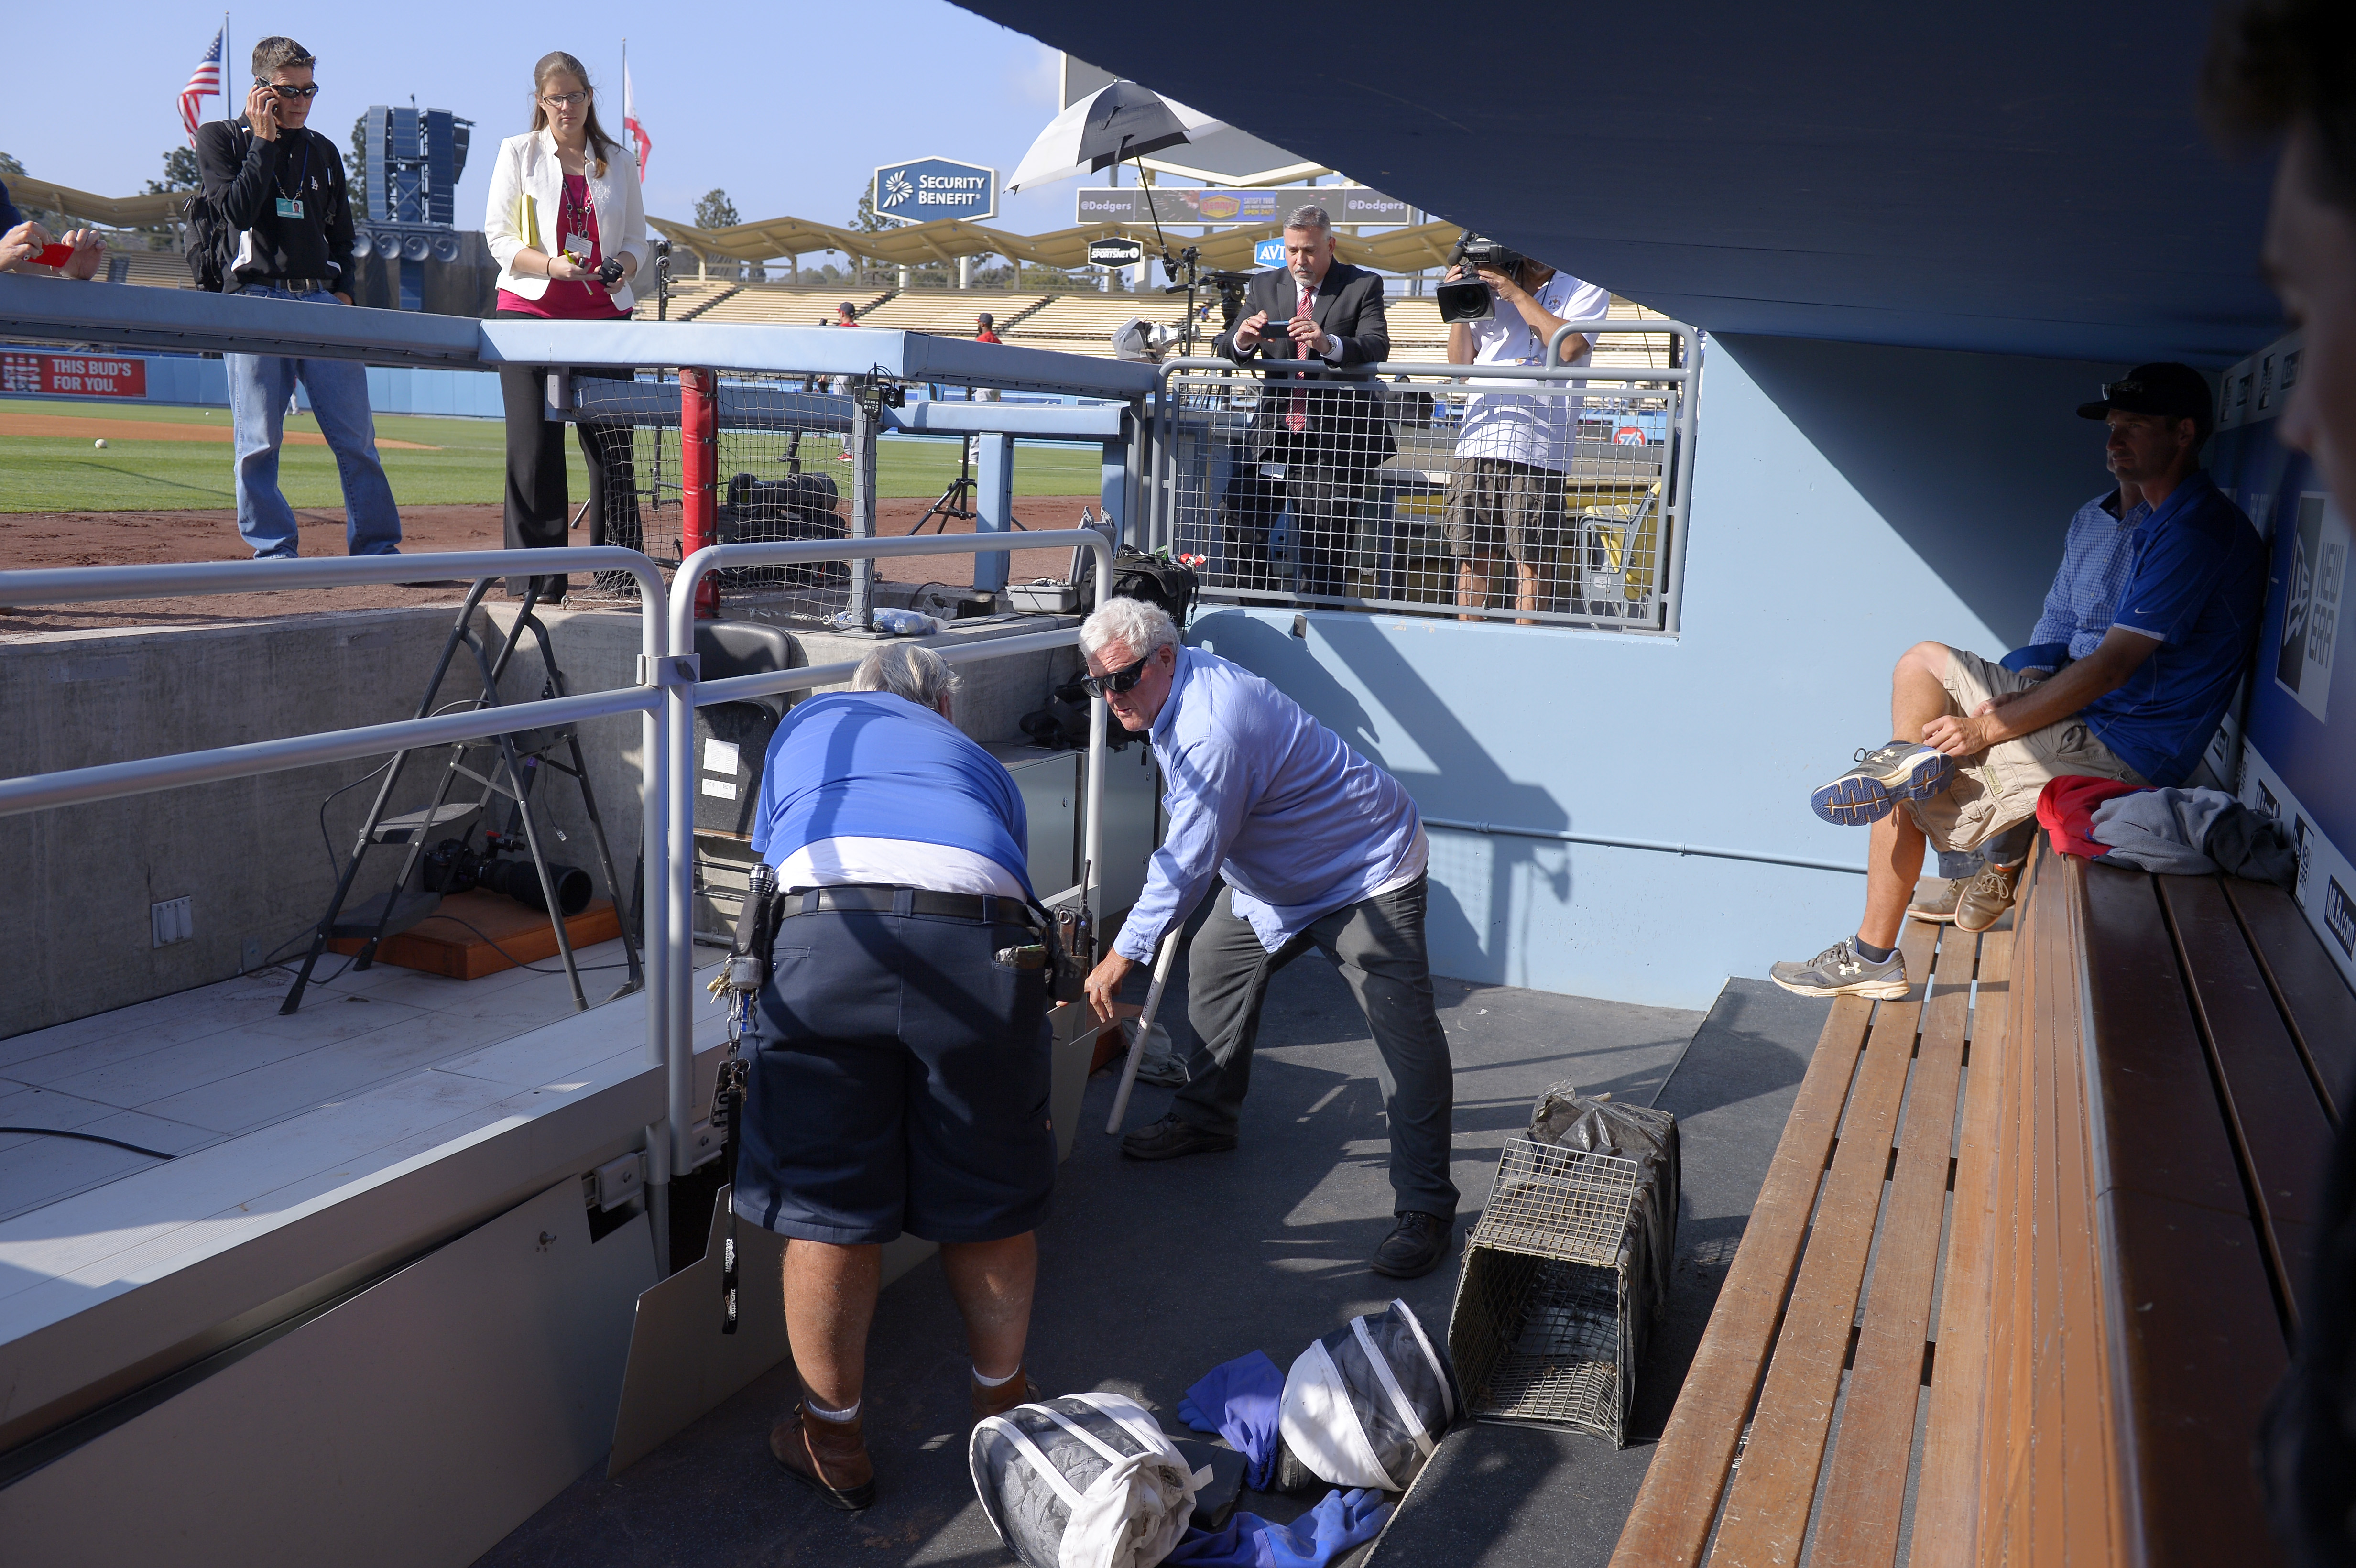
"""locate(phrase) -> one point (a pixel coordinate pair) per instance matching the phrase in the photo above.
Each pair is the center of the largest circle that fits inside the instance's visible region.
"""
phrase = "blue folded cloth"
(1340, 1520)
(1240, 1400)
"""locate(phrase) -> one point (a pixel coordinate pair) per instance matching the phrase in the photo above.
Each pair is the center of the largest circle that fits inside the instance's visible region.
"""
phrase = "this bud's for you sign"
(72, 376)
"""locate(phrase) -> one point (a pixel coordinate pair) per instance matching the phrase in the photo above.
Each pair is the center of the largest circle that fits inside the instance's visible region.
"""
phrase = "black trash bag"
(1091, 1466)
(1366, 1405)
(1564, 1118)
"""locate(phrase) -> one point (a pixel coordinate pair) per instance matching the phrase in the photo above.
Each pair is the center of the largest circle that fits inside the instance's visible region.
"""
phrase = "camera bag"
(212, 243)
(1085, 1481)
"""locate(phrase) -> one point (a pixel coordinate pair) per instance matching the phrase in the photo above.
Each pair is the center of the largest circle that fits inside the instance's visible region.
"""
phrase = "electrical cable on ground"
(89, 1138)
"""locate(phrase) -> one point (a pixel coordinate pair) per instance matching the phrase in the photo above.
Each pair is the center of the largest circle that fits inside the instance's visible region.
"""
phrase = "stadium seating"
(950, 312)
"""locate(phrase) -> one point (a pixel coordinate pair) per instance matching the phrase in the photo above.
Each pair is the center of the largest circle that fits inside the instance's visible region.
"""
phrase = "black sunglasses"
(1115, 680)
(282, 90)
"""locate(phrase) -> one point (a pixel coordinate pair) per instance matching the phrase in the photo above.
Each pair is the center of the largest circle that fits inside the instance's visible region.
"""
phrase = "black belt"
(990, 908)
(292, 285)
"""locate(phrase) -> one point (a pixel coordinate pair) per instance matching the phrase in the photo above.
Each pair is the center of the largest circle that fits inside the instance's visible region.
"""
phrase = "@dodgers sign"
(924, 190)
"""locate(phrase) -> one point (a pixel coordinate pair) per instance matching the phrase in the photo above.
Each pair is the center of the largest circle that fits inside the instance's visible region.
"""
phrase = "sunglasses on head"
(1115, 680)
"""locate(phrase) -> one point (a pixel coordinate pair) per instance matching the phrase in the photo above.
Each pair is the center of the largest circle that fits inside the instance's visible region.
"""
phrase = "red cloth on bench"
(2065, 808)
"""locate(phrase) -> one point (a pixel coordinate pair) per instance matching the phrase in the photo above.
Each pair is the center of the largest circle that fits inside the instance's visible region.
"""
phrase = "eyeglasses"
(1115, 680)
(565, 100)
(284, 91)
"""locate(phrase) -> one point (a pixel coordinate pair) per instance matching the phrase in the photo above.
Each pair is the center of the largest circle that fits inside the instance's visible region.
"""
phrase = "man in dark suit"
(1316, 439)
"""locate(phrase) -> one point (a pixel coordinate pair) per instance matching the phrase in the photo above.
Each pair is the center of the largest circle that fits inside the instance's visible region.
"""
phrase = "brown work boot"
(828, 1457)
(989, 1402)
(1985, 898)
(1939, 907)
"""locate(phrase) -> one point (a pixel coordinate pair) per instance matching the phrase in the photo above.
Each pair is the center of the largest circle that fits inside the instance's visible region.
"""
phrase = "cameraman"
(278, 190)
(1506, 483)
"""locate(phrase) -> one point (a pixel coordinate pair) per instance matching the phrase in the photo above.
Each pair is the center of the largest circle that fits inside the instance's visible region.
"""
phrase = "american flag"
(205, 81)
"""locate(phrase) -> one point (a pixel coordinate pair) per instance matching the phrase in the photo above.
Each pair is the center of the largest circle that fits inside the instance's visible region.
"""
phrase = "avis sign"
(72, 376)
(925, 190)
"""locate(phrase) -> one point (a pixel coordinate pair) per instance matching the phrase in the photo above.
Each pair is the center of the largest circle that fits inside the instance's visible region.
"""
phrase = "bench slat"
(1865, 1483)
(1946, 1507)
(1767, 1507)
(2183, 1274)
(2003, 1444)
(1679, 1501)
(2270, 1101)
(2321, 1009)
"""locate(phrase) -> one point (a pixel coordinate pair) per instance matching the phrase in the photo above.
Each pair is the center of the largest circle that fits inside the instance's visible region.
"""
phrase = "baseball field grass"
(50, 461)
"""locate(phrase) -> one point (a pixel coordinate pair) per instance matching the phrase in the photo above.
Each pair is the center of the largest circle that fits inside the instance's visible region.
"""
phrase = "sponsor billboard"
(1115, 253)
(925, 190)
(1268, 253)
(1345, 204)
(72, 376)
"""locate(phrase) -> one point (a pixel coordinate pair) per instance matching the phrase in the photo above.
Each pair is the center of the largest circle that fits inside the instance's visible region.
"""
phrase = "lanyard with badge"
(291, 206)
(572, 225)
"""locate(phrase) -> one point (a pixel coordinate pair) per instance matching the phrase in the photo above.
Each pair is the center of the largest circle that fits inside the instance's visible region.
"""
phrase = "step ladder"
(502, 768)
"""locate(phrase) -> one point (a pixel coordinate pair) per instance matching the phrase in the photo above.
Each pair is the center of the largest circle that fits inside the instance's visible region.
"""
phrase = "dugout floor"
(1150, 1274)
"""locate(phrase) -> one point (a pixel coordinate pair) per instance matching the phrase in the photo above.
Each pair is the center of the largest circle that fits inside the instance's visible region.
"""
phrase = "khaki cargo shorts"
(1498, 508)
(1998, 788)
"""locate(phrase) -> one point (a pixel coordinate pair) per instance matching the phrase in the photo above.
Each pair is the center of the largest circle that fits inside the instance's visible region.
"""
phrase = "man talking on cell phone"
(277, 200)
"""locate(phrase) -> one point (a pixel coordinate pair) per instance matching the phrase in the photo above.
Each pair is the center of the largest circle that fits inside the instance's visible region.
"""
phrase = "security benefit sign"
(2312, 603)
(72, 376)
(925, 190)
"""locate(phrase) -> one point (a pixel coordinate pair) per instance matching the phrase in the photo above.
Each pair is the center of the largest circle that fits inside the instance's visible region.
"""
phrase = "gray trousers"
(1377, 943)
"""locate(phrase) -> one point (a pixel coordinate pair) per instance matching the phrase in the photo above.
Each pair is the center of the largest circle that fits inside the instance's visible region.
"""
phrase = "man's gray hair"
(1310, 216)
(1140, 627)
(903, 669)
(274, 54)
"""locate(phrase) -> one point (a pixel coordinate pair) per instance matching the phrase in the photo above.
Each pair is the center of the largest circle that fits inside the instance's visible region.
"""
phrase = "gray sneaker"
(1870, 791)
(1841, 971)
(1939, 908)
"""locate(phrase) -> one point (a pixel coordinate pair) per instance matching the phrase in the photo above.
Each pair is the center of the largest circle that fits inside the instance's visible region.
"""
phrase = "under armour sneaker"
(1882, 777)
(1938, 907)
(1841, 970)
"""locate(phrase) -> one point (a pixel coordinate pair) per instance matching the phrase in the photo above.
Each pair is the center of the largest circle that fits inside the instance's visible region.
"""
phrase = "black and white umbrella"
(1110, 126)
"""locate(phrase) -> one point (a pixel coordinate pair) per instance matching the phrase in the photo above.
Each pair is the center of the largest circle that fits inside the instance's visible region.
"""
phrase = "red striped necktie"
(1297, 417)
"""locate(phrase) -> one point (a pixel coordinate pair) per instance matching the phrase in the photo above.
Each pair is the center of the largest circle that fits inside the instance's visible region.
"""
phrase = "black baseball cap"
(2168, 389)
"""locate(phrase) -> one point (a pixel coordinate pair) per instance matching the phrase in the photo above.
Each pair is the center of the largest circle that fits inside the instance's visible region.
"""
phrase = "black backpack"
(212, 243)
(1154, 579)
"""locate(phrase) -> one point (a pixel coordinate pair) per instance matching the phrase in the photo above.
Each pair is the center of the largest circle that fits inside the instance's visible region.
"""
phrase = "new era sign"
(925, 190)
(1115, 253)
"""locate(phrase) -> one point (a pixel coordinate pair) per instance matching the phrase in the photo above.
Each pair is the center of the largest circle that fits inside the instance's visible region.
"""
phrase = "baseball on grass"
(101, 444)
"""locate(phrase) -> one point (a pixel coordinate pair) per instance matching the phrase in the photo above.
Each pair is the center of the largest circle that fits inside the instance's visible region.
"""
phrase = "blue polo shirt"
(2196, 581)
(869, 764)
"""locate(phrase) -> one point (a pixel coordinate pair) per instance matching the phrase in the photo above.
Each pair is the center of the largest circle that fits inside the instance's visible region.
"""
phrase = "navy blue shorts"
(901, 1084)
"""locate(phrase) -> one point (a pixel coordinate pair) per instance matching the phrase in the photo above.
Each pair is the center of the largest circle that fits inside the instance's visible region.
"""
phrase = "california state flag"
(637, 133)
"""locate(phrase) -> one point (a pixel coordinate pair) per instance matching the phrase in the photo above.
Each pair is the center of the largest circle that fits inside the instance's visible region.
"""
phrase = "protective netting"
(782, 472)
(1535, 501)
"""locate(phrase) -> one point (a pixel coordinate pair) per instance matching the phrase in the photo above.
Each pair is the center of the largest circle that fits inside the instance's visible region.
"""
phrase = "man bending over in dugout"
(1974, 743)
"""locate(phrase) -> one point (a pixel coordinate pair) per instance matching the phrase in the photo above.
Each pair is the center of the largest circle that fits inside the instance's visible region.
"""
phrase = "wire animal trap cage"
(1562, 1278)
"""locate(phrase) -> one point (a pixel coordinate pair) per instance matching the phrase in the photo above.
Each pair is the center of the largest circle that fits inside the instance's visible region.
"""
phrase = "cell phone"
(54, 255)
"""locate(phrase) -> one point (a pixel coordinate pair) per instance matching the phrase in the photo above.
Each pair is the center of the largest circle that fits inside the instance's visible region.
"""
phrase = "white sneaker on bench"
(1841, 970)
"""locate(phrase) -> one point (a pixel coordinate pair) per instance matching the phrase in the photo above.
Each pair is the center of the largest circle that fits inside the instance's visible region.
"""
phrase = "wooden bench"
(2032, 1241)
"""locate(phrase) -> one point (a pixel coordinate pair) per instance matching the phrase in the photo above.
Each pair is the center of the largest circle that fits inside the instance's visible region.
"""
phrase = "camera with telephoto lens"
(1468, 298)
(452, 867)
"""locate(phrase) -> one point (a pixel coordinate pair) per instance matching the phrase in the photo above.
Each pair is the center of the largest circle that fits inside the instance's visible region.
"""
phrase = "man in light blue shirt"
(1319, 848)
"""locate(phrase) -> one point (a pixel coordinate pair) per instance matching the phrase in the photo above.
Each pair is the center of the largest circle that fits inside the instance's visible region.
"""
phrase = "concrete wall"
(1848, 502)
(249, 852)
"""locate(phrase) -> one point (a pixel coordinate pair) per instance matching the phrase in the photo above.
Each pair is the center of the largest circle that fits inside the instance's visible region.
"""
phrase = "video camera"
(1468, 298)
(453, 867)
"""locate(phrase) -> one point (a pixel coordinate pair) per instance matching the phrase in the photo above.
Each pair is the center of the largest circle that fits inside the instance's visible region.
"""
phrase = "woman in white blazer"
(566, 222)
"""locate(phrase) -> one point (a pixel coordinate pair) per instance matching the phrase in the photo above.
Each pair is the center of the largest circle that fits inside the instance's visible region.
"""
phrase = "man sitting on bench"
(1974, 742)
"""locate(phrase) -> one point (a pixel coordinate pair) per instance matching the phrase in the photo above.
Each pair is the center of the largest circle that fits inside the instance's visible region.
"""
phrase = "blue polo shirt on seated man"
(866, 787)
(2195, 582)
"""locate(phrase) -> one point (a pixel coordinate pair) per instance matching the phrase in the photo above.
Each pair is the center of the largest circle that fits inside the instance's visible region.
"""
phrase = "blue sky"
(788, 109)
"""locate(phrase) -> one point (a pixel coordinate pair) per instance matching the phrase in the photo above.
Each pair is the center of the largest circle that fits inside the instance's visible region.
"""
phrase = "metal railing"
(1547, 494)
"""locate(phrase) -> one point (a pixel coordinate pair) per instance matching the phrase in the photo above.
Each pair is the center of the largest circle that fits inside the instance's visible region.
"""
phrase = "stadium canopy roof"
(2021, 176)
(1393, 251)
(117, 211)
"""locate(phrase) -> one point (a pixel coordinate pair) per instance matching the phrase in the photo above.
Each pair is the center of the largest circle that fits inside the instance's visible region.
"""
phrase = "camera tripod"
(513, 766)
(956, 504)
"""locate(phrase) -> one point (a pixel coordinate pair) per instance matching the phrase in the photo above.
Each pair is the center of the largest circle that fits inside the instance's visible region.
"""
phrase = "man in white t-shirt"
(1505, 485)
